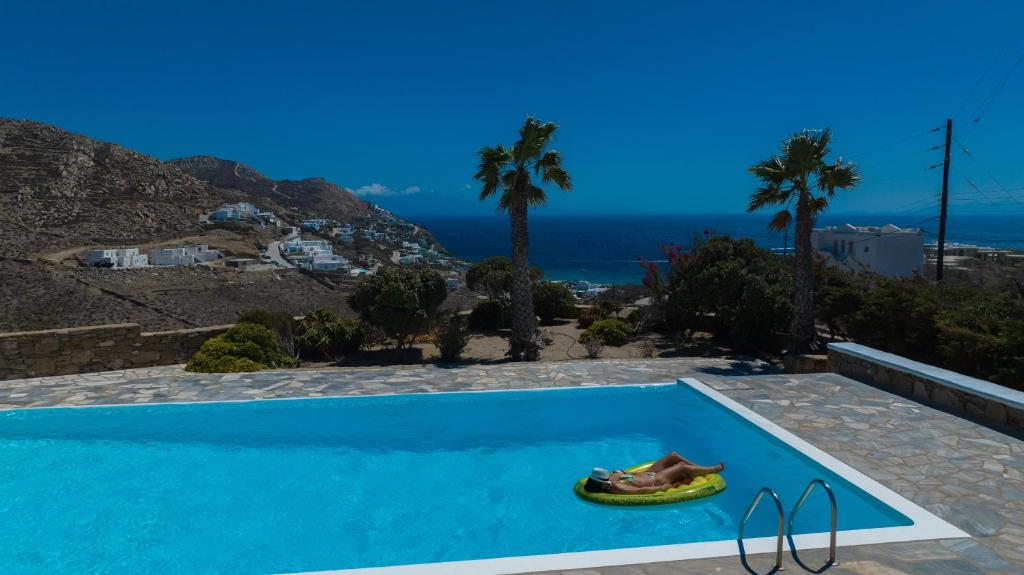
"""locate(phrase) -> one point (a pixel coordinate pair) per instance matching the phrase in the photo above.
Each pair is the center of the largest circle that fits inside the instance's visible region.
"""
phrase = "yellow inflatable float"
(701, 486)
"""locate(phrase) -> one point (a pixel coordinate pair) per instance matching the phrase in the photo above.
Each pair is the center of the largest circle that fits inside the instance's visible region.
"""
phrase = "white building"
(887, 250)
(328, 263)
(306, 247)
(116, 258)
(409, 259)
(184, 255)
(239, 211)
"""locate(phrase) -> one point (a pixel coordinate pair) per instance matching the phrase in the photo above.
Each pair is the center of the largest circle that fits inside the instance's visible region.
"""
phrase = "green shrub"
(324, 334)
(897, 316)
(281, 323)
(551, 300)
(743, 292)
(400, 301)
(489, 315)
(971, 330)
(611, 332)
(493, 277)
(586, 316)
(244, 347)
(451, 337)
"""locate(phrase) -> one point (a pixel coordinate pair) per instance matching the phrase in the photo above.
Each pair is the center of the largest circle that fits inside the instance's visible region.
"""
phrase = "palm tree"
(510, 172)
(800, 174)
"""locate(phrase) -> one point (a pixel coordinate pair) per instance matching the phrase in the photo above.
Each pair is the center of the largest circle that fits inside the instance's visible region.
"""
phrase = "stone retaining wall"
(953, 392)
(96, 348)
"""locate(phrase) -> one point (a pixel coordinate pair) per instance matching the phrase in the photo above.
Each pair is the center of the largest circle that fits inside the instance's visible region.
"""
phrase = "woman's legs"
(667, 461)
(684, 472)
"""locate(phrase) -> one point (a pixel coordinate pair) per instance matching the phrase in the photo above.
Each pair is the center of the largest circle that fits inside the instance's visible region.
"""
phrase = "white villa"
(239, 211)
(330, 262)
(317, 224)
(300, 247)
(887, 250)
(184, 255)
(118, 258)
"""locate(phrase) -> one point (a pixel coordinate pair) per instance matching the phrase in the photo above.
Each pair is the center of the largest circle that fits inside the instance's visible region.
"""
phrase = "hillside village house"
(230, 212)
(116, 258)
(325, 262)
(317, 224)
(183, 255)
(888, 250)
(306, 247)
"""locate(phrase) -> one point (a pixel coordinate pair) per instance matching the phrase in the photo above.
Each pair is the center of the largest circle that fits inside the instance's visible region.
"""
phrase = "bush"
(551, 300)
(324, 334)
(611, 332)
(586, 316)
(493, 277)
(742, 291)
(897, 316)
(281, 323)
(244, 347)
(837, 295)
(979, 332)
(451, 337)
(593, 347)
(402, 302)
(489, 315)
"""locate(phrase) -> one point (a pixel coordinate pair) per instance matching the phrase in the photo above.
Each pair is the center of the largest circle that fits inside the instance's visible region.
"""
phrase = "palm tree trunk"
(802, 331)
(523, 345)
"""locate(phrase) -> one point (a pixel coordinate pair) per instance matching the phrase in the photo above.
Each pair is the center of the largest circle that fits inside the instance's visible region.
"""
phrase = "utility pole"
(945, 201)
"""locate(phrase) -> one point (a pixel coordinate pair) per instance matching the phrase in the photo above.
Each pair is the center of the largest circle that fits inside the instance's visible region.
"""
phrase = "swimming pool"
(373, 481)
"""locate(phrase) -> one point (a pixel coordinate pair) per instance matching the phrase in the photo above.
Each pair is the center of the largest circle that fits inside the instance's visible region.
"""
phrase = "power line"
(991, 63)
(992, 97)
(987, 171)
(896, 142)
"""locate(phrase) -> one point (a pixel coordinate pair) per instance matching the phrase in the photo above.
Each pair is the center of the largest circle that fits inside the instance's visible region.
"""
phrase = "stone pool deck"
(967, 474)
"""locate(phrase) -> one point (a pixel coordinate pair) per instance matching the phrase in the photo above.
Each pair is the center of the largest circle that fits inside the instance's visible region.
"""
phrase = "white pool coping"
(926, 526)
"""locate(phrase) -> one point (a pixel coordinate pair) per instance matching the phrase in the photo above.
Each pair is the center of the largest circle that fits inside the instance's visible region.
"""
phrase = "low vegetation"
(401, 302)
(324, 334)
(611, 332)
(489, 315)
(451, 335)
(551, 300)
(244, 347)
(732, 288)
(979, 332)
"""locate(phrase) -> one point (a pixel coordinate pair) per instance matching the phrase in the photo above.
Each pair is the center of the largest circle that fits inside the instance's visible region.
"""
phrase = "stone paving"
(967, 474)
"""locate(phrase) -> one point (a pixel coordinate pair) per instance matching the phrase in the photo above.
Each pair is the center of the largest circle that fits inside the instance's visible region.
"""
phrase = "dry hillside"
(311, 195)
(60, 190)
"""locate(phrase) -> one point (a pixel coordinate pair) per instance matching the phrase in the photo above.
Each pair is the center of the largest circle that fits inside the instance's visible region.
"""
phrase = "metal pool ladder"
(789, 531)
(778, 509)
(832, 524)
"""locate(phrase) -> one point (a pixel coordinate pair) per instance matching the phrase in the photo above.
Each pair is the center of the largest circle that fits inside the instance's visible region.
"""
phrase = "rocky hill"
(61, 193)
(310, 195)
(59, 190)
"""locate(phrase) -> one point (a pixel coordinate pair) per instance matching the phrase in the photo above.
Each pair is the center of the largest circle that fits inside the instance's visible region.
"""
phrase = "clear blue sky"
(661, 105)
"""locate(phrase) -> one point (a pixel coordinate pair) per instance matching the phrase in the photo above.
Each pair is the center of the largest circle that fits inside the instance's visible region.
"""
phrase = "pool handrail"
(832, 527)
(778, 507)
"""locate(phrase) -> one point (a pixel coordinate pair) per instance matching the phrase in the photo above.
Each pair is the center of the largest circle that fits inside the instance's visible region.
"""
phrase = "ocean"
(604, 249)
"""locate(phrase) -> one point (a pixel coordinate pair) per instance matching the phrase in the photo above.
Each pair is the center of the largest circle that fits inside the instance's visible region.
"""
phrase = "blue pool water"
(316, 484)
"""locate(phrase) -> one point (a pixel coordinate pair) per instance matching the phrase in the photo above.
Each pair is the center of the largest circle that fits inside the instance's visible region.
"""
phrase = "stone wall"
(980, 400)
(96, 348)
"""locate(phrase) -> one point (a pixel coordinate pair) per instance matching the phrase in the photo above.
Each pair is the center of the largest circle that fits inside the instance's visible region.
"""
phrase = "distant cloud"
(379, 190)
